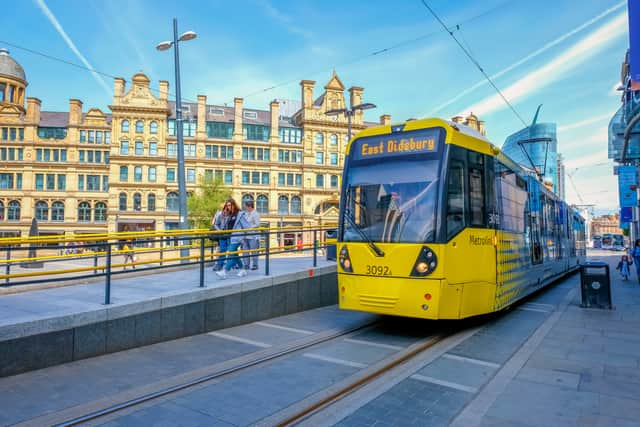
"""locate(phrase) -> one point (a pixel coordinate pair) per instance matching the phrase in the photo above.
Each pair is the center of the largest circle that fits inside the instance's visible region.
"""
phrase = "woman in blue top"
(635, 253)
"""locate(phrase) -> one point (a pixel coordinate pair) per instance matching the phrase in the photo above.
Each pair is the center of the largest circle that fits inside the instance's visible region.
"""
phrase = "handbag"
(214, 237)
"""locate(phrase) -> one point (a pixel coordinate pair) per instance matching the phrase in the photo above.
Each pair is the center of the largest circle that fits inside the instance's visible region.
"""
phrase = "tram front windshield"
(391, 201)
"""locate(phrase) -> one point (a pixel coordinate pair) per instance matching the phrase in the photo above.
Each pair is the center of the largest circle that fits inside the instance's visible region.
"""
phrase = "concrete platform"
(46, 327)
(580, 368)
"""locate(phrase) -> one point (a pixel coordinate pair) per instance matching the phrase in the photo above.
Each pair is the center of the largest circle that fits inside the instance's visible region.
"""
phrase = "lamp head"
(189, 35)
(336, 111)
(365, 106)
(166, 45)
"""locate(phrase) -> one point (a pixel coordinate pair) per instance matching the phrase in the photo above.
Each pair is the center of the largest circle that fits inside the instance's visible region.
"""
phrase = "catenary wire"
(82, 67)
(475, 62)
(385, 49)
(374, 53)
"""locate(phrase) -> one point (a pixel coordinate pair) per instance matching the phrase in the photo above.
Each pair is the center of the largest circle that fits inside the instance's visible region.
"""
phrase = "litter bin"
(595, 285)
(330, 240)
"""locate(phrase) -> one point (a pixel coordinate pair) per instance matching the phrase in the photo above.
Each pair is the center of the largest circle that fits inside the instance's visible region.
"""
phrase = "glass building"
(536, 147)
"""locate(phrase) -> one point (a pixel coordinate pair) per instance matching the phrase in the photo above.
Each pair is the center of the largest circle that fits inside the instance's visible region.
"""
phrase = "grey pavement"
(45, 310)
(584, 372)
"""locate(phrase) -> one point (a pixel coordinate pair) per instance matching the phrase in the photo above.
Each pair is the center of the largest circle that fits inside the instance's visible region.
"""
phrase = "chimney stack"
(164, 90)
(307, 93)
(385, 119)
(274, 136)
(202, 116)
(237, 119)
(33, 110)
(118, 87)
(75, 112)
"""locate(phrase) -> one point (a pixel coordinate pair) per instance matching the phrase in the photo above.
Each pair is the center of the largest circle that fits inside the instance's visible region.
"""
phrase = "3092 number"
(378, 270)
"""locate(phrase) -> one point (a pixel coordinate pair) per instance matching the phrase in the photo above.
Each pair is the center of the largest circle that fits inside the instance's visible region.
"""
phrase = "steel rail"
(189, 384)
(358, 383)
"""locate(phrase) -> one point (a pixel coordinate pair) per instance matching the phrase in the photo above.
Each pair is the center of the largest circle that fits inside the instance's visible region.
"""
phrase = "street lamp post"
(182, 186)
(349, 112)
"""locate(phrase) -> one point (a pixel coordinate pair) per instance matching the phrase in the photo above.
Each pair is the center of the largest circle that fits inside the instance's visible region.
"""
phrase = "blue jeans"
(636, 262)
(250, 258)
(233, 259)
(223, 244)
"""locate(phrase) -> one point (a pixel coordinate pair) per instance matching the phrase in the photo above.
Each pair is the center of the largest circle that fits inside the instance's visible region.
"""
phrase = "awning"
(136, 221)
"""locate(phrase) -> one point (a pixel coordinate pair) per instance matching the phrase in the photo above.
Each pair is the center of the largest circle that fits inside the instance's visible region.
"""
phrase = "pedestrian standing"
(623, 266)
(225, 221)
(128, 255)
(635, 254)
(235, 241)
(251, 242)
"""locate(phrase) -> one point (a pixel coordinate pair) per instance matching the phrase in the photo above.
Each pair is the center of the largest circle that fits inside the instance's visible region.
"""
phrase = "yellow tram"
(437, 223)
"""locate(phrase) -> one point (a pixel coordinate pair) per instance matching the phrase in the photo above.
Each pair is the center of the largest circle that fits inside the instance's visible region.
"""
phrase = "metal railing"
(90, 256)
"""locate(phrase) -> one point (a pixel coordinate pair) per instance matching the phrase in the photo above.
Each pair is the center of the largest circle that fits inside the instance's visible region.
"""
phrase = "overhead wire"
(475, 62)
(384, 50)
(83, 67)
(374, 53)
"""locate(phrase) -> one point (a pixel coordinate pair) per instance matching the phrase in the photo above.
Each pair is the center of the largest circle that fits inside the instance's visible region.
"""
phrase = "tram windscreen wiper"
(363, 235)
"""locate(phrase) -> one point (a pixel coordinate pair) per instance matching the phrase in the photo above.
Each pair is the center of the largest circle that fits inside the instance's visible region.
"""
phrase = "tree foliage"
(205, 201)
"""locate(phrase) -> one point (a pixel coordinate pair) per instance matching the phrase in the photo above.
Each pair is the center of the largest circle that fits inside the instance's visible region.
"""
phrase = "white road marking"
(334, 360)
(470, 360)
(238, 339)
(284, 328)
(449, 384)
(540, 305)
(532, 309)
(374, 344)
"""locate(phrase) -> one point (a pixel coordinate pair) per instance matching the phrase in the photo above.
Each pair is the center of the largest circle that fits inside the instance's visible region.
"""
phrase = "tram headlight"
(425, 264)
(345, 261)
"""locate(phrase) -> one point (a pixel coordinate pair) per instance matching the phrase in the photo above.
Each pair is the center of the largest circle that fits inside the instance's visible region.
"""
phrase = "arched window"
(124, 173)
(57, 211)
(84, 212)
(334, 181)
(1, 211)
(296, 205)
(122, 202)
(283, 205)
(333, 139)
(153, 127)
(151, 202)
(246, 198)
(137, 202)
(42, 211)
(137, 173)
(13, 211)
(172, 202)
(319, 138)
(139, 126)
(262, 204)
(124, 127)
(100, 212)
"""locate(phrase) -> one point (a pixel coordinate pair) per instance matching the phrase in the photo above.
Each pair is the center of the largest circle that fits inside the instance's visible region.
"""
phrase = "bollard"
(267, 245)
(8, 266)
(315, 248)
(202, 262)
(95, 263)
(107, 280)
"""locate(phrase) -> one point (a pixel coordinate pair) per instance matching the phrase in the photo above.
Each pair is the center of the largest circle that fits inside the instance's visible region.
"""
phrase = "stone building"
(93, 172)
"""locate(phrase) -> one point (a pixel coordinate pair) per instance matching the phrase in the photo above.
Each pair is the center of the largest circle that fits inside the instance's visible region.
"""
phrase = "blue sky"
(566, 53)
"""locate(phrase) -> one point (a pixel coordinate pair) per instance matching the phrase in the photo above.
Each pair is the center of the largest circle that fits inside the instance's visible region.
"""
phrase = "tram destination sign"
(396, 144)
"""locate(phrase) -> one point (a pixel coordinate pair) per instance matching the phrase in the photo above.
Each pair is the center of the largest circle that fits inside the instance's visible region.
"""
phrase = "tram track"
(360, 381)
(262, 358)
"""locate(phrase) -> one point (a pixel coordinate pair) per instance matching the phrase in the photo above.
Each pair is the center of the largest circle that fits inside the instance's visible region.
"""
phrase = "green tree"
(205, 201)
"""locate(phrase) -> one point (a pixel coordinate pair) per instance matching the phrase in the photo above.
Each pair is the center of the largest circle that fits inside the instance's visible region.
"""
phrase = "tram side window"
(455, 198)
(512, 197)
(476, 189)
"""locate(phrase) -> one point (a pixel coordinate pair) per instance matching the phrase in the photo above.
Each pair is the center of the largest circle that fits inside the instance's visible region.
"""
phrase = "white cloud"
(593, 159)
(56, 24)
(555, 69)
(585, 122)
(530, 56)
(285, 20)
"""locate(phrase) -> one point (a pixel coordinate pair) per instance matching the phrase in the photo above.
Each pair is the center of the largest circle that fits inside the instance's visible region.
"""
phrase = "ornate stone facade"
(119, 170)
